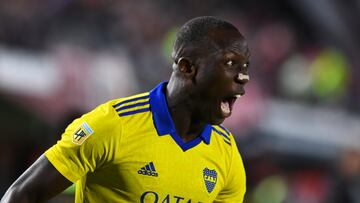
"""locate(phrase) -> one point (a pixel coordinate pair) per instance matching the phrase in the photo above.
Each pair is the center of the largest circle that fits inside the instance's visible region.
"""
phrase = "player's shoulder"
(108, 115)
(222, 134)
(116, 107)
(131, 105)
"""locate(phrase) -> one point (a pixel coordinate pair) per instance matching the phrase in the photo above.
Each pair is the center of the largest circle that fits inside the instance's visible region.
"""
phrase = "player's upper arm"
(38, 183)
(235, 187)
(85, 144)
(82, 148)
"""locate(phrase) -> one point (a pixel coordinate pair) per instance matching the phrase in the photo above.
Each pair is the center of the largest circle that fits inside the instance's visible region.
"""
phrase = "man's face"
(221, 77)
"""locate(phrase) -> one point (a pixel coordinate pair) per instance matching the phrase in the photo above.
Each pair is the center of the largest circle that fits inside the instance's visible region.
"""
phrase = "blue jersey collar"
(163, 122)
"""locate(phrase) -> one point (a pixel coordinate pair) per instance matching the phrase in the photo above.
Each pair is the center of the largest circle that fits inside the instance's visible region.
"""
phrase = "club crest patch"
(82, 133)
(210, 178)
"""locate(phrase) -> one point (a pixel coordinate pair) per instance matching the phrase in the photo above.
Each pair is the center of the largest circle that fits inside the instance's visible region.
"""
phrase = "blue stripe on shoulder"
(130, 100)
(220, 133)
(134, 112)
(227, 142)
(227, 132)
(132, 105)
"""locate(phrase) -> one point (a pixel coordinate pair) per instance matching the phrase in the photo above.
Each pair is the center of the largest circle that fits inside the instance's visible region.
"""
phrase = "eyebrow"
(245, 56)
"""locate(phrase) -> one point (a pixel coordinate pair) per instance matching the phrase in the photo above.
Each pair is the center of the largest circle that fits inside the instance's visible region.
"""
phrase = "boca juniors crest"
(210, 178)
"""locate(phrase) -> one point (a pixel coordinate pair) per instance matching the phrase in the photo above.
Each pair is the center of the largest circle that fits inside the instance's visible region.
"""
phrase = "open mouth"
(227, 104)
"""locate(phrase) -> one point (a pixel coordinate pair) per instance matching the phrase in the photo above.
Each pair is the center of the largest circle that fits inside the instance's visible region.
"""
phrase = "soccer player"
(166, 145)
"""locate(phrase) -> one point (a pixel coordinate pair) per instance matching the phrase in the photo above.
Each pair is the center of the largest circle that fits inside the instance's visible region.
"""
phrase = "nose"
(242, 78)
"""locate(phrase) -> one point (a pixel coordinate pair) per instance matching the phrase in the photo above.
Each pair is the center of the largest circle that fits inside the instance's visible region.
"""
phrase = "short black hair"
(195, 33)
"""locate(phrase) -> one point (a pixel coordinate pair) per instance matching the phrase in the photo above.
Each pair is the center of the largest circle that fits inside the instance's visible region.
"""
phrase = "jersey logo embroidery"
(148, 169)
(82, 133)
(210, 178)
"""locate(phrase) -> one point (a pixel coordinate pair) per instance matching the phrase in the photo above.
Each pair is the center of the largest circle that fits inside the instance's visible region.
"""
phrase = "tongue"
(225, 107)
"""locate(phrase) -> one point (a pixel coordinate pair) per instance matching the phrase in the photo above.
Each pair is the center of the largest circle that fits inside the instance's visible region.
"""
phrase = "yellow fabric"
(107, 165)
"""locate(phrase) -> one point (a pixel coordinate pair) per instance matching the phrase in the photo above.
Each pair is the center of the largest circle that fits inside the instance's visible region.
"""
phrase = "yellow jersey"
(127, 150)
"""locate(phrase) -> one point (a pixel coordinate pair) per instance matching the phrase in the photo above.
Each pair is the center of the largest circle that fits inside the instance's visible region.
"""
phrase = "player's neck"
(186, 128)
(181, 114)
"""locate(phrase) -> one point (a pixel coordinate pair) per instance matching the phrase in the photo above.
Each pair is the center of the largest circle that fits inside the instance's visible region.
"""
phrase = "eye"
(246, 65)
(230, 63)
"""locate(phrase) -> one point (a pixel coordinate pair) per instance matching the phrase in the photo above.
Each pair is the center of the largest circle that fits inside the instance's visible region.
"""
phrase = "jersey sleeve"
(235, 187)
(86, 144)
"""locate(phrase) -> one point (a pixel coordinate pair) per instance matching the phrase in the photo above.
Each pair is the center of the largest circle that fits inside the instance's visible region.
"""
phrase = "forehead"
(236, 49)
(228, 43)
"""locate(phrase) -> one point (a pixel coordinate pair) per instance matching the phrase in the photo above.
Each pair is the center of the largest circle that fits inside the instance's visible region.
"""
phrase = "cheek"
(221, 86)
(213, 82)
(218, 83)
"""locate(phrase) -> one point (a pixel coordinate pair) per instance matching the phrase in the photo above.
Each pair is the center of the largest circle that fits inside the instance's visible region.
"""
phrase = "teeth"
(225, 107)
(243, 77)
(238, 95)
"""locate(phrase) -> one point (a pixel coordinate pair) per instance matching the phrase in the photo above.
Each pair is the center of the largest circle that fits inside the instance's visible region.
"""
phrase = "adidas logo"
(148, 169)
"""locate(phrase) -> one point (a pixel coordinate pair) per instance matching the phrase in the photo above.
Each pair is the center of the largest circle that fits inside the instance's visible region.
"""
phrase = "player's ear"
(186, 68)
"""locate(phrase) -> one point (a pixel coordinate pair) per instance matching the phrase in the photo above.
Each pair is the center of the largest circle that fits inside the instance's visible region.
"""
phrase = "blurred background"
(298, 127)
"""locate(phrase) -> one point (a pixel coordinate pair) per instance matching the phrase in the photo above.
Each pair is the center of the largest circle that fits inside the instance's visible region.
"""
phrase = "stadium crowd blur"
(298, 127)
